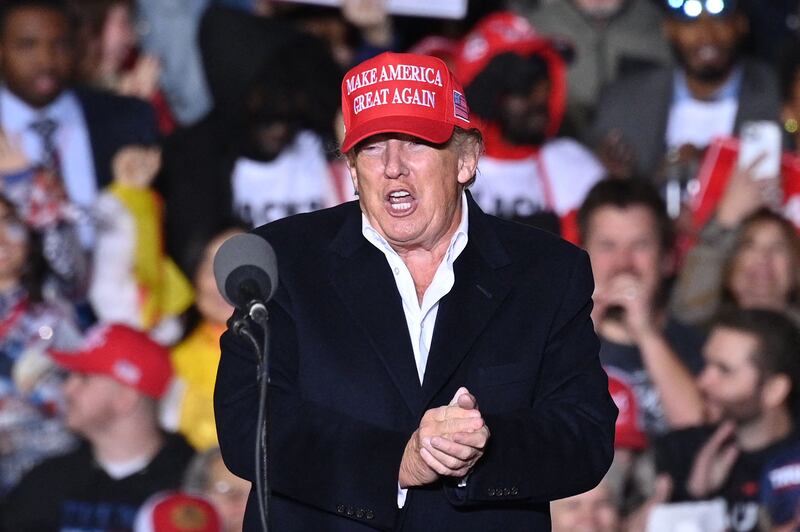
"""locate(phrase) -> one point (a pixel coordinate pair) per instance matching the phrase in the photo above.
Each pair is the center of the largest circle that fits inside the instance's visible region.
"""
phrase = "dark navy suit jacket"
(345, 397)
(113, 122)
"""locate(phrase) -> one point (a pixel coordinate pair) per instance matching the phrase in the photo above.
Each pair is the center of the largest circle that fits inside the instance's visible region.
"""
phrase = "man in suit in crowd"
(40, 109)
(433, 367)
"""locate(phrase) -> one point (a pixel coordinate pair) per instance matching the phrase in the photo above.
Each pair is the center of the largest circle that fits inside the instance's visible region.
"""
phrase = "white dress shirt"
(421, 318)
(71, 138)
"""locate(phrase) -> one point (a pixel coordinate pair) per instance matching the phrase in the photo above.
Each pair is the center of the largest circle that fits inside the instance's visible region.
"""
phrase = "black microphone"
(246, 272)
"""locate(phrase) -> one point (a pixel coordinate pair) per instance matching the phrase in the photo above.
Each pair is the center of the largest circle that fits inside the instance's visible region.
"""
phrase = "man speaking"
(433, 368)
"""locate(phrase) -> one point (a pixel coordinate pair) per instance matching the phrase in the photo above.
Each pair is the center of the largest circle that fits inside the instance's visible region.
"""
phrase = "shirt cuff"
(401, 496)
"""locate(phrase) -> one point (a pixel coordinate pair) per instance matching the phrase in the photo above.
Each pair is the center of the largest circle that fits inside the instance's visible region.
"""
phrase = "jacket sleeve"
(322, 458)
(563, 444)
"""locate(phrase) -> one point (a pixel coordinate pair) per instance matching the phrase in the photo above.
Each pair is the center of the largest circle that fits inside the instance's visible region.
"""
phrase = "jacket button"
(490, 491)
(514, 490)
(370, 515)
(340, 508)
(350, 511)
(506, 492)
(360, 513)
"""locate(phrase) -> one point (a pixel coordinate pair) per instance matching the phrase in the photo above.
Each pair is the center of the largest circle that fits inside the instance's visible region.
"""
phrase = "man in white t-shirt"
(710, 93)
(516, 84)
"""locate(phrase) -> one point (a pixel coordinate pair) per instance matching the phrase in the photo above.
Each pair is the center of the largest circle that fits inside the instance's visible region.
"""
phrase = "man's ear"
(468, 157)
(775, 391)
(351, 167)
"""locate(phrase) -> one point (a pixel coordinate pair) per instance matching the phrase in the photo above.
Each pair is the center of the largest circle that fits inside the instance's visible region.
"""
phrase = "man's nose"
(394, 160)
(623, 260)
(46, 56)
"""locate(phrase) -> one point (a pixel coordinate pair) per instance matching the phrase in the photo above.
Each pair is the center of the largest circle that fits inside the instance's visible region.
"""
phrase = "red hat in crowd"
(629, 434)
(504, 32)
(124, 354)
(402, 93)
(177, 512)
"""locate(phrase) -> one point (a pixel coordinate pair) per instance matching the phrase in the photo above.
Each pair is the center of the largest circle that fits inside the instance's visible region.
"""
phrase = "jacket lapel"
(362, 278)
(482, 282)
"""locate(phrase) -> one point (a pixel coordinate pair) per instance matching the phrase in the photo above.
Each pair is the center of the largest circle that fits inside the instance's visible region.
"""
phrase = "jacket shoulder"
(534, 246)
(307, 232)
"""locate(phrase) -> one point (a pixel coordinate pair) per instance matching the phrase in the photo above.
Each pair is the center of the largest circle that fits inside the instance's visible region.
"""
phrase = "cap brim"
(434, 131)
(72, 361)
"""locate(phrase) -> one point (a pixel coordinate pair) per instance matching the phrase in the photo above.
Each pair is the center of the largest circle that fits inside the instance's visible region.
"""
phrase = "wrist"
(647, 334)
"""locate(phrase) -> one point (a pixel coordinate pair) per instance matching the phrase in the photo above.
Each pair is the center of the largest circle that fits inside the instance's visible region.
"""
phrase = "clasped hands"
(448, 442)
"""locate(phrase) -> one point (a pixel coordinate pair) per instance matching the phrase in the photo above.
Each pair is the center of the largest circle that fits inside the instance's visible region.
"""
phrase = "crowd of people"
(137, 135)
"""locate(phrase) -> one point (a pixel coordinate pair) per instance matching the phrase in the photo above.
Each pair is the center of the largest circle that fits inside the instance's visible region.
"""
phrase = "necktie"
(46, 129)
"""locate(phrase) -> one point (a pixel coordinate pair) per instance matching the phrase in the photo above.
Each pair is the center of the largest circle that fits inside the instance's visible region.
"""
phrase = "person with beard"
(678, 111)
(625, 229)
(260, 154)
(516, 84)
(750, 385)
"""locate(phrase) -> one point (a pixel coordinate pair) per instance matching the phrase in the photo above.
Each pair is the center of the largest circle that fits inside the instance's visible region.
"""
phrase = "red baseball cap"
(628, 433)
(402, 93)
(174, 511)
(503, 32)
(124, 354)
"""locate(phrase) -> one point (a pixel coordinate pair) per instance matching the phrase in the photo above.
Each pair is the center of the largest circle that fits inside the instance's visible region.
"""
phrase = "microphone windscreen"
(245, 264)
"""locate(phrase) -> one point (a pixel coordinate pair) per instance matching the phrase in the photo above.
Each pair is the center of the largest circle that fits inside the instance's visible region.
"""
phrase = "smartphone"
(761, 139)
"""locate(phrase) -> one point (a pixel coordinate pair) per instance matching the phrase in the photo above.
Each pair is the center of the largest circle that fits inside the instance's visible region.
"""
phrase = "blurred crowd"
(137, 135)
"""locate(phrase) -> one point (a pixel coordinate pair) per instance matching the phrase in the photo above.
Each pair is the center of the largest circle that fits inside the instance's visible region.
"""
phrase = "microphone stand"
(257, 313)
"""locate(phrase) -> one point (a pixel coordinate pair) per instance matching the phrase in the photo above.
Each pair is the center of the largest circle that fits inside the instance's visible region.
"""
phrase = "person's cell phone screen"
(761, 139)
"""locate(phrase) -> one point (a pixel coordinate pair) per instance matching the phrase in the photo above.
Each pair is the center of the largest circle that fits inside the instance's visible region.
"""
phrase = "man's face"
(730, 381)
(409, 190)
(707, 47)
(593, 511)
(625, 241)
(36, 54)
(524, 116)
(90, 402)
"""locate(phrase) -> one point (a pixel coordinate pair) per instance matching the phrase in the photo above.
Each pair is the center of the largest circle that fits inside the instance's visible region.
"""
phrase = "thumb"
(461, 391)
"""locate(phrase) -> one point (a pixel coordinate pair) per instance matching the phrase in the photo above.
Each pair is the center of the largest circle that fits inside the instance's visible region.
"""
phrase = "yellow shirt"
(195, 361)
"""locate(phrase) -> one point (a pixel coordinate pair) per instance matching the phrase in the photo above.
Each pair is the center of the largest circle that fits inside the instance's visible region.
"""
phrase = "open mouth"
(708, 54)
(400, 202)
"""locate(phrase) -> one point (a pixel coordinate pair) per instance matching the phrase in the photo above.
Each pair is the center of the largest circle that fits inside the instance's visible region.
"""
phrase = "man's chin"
(39, 100)
(712, 73)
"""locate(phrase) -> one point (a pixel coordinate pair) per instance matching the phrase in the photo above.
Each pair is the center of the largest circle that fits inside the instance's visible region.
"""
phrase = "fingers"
(453, 426)
(451, 448)
(476, 440)
(728, 457)
(720, 436)
(444, 413)
(441, 468)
